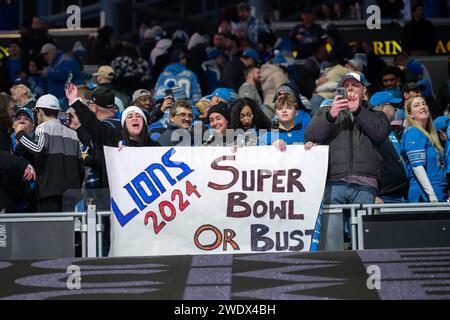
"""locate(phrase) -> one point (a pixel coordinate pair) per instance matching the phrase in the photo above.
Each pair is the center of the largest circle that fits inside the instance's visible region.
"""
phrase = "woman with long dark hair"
(248, 117)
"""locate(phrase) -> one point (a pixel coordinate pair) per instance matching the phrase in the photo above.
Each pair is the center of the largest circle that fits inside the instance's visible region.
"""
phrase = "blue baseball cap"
(383, 97)
(425, 86)
(27, 111)
(227, 94)
(251, 53)
(441, 123)
(214, 53)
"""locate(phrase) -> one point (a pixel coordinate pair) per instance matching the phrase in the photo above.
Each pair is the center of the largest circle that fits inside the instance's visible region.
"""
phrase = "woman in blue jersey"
(424, 154)
(288, 133)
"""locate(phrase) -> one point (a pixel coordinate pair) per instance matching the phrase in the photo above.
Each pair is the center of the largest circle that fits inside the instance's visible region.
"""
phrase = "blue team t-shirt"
(294, 136)
(420, 151)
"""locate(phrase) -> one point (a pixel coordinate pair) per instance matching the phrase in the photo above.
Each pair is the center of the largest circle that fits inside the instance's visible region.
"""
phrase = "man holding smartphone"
(354, 165)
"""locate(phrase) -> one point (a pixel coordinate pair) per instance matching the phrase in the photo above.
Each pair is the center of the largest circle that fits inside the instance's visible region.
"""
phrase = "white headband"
(132, 109)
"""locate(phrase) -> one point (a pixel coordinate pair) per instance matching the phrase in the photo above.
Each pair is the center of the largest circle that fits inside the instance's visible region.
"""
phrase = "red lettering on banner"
(167, 209)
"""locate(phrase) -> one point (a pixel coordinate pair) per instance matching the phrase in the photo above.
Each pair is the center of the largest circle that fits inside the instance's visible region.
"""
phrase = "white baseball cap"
(132, 109)
(48, 101)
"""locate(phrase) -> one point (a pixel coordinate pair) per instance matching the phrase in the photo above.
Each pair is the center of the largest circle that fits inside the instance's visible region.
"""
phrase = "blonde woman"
(424, 154)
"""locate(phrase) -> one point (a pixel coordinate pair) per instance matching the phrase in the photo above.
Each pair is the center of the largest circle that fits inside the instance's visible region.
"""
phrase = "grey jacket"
(352, 150)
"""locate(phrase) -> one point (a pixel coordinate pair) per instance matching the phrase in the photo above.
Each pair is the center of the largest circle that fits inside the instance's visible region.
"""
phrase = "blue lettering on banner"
(135, 188)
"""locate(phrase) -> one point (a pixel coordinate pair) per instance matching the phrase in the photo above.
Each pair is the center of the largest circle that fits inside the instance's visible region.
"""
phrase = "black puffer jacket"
(11, 170)
(352, 150)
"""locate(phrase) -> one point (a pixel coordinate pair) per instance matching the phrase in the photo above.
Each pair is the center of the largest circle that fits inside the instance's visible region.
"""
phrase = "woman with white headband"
(134, 128)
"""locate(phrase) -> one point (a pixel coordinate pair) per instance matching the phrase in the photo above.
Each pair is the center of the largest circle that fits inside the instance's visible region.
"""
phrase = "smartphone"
(341, 92)
(64, 118)
(169, 93)
(69, 80)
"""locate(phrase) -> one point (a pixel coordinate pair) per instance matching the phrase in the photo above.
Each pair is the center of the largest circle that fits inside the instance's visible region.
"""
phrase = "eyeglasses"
(185, 115)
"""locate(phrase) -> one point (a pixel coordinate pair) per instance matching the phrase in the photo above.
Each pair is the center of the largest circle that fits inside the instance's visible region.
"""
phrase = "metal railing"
(92, 227)
(83, 228)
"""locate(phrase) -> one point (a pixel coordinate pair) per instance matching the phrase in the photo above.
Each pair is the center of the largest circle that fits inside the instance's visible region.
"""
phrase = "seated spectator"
(391, 78)
(233, 73)
(419, 35)
(272, 77)
(160, 57)
(222, 95)
(326, 85)
(130, 70)
(22, 94)
(104, 78)
(37, 83)
(306, 35)
(181, 117)
(213, 69)
(177, 74)
(288, 132)
(17, 63)
(411, 90)
(249, 89)
(358, 63)
(247, 117)
(394, 181)
(251, 24)
(424, 154)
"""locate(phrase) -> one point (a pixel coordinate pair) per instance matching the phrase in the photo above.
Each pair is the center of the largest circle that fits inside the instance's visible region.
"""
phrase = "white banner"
(209, 200)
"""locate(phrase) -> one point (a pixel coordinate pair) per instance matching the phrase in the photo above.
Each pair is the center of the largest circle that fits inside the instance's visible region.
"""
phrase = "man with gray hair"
(22, 94)
(180, 118)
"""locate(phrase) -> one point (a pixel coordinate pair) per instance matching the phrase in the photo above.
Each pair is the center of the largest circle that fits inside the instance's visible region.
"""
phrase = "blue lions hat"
(383, 97)
(27, 112)
(214, 54)
(441, 123)
(229, 95)
(251, 53)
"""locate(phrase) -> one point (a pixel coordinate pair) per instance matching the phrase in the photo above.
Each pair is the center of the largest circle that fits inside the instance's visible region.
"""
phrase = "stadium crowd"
(386, 126)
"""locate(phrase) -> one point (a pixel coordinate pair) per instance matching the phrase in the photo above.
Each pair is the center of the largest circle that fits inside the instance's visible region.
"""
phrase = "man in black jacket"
(394, 181)
(352, 129)
(233, 74)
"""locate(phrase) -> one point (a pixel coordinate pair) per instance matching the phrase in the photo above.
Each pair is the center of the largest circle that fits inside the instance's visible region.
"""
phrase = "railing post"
(84, 230)
(359, 214)
(100, 230)
(92, 233)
